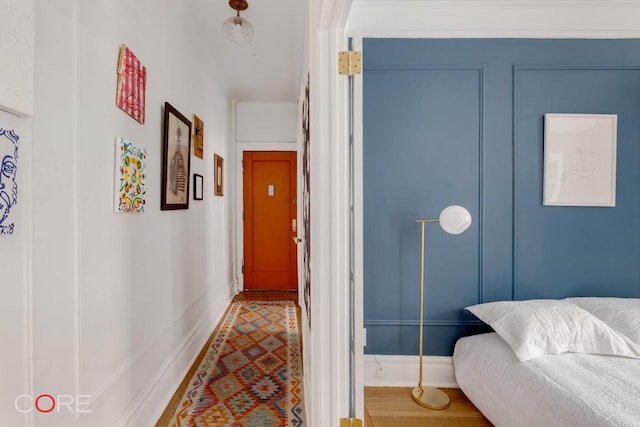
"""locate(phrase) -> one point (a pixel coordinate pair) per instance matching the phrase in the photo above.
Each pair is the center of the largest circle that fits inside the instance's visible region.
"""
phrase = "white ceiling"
(269, 68)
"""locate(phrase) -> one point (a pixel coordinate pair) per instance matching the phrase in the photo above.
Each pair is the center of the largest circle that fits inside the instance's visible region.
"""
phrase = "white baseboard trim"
(403, 371)
(150, 406)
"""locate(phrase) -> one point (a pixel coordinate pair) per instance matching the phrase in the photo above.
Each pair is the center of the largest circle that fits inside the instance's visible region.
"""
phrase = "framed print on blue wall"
(580, 159)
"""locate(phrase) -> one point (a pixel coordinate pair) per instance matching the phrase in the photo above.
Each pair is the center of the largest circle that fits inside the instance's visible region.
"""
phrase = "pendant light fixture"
(237, 29)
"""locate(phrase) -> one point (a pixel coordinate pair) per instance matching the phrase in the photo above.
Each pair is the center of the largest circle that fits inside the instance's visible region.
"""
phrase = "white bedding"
(568, 389)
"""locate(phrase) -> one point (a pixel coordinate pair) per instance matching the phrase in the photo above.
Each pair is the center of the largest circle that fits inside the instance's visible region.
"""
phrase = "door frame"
(327, 343)
(241, 147)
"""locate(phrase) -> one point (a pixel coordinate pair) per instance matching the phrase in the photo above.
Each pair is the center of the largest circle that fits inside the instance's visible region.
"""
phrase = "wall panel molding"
(75, 202)
(98, 393)
(478, 218)
(518, 70)
(152, 401)
(426, 323)
(429, 67)
(414, 100)
(29, 352)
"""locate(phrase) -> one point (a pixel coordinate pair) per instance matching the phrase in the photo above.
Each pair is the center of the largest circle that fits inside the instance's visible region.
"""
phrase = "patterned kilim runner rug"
(252, 372)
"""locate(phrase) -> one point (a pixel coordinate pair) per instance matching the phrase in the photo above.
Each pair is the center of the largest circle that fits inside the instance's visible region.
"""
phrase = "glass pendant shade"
(455, 219)
(238, 30)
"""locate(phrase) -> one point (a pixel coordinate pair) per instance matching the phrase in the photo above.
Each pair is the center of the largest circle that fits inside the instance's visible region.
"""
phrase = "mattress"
(568, 389)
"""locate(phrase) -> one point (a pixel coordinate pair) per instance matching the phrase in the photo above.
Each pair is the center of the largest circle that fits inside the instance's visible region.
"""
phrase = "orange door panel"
(270, 253)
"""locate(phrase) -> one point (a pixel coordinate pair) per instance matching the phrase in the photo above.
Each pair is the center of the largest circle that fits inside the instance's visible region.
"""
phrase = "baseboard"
(403, 371)
(151, 405)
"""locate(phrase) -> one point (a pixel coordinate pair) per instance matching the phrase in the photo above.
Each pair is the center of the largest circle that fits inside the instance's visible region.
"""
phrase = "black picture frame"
(176, 159)
(198, 181)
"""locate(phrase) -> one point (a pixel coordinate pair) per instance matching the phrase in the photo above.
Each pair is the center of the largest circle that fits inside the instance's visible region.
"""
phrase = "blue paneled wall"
(461, 122)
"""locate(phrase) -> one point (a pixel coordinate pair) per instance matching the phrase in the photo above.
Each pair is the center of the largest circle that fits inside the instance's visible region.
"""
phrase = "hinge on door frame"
(243, 266)
(350, 422)
(349, 62)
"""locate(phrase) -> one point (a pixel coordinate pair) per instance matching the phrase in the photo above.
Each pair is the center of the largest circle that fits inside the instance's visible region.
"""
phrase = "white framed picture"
(580, 159)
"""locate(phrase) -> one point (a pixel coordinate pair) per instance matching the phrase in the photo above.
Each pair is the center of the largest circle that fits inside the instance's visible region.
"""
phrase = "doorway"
(270, 220)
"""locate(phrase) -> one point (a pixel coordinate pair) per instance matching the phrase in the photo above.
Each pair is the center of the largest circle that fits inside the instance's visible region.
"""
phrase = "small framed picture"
(197, 187)
(176, 156)
(218, 174)
(198, 137)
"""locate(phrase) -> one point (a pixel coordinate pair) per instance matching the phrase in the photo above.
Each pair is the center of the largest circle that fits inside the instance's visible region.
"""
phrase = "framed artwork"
(580, 159)
(130, 174)
(218, 174)
(176, 156)
(197, 187)
(306, 201)
(9, 142)
(198, 136)
(132, 83)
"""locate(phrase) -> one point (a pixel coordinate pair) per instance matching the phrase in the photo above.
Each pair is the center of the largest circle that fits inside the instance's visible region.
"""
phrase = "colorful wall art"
(198, 137)
(132, 82)
(8, 183)
(130, 175)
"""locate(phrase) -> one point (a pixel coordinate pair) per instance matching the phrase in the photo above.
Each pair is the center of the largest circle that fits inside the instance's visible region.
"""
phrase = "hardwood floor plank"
(394, 406)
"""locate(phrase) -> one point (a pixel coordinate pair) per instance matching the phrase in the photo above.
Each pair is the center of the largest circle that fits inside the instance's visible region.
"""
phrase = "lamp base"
(430, 397)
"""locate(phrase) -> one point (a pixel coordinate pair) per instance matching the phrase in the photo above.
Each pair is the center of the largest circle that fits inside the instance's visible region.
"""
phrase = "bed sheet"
(551, 390)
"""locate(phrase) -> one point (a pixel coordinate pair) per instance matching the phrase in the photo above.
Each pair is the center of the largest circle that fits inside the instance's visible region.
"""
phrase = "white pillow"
(621, 314)
(536, 327)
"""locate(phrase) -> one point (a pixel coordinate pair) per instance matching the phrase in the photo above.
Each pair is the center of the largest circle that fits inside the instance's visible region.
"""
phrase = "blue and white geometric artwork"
(8, 184)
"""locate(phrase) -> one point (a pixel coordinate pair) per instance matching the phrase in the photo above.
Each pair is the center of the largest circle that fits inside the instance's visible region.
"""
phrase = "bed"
(573, 362)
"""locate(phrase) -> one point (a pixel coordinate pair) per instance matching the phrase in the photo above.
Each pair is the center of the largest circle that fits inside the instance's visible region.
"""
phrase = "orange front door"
(270, 252)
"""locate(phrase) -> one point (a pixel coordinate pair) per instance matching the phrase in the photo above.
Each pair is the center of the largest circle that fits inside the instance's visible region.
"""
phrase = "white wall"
(16, 52)
(266, 122)
(16, 96)
(14, 283)
(122, 302)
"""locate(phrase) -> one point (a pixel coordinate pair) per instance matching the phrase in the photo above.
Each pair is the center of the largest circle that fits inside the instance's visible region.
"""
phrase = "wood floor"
(383, 406)
(394, 406)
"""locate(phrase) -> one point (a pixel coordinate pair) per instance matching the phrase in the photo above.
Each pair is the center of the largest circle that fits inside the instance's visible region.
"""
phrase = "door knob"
(296, 240)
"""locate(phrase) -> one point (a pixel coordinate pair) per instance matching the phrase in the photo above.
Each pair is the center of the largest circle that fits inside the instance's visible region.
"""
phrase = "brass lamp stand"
(454, 220)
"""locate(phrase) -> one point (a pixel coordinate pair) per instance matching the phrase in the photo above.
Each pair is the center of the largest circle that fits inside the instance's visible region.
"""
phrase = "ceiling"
(270, 67)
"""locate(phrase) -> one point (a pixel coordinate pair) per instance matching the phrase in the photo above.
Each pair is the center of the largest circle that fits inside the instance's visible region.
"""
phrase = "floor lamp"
(454, 220)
